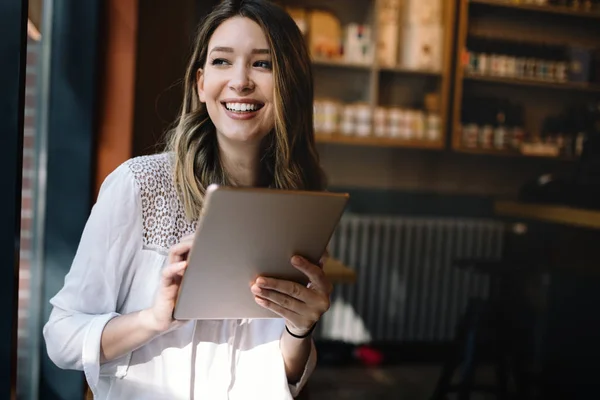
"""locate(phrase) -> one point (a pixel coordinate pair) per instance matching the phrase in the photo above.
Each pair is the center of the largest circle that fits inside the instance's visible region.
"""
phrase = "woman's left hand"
(300, 306)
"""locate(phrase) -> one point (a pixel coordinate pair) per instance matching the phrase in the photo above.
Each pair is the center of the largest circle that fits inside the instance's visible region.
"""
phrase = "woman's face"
(237, 81)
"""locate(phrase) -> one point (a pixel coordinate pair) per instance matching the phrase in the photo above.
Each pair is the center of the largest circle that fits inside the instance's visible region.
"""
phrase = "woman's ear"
(200, 85)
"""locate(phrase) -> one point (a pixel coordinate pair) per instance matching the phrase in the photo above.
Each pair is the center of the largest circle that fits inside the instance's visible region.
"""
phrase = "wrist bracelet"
(307, 334)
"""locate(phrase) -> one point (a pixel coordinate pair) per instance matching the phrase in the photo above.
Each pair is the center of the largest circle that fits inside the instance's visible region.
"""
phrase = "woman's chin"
(243, 137)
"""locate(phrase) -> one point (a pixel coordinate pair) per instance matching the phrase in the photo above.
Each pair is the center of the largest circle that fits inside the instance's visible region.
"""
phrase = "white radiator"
(407, 288)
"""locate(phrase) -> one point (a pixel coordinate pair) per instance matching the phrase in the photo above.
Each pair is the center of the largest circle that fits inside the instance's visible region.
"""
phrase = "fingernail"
(261, 282)
(297, 260)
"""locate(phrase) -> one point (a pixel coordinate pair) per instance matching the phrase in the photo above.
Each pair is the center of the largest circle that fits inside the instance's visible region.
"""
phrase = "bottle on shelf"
(486, 129)
(500, 130)
(469, 126)
(492, 124)
(380, 122)
(433, 127)
(517, 134)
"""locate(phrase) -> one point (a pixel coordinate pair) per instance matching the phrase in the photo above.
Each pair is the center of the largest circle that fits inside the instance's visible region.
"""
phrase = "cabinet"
(527, 76)
(382, 69)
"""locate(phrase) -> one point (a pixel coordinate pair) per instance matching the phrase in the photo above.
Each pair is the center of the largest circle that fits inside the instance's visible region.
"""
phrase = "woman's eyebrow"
(224, 49)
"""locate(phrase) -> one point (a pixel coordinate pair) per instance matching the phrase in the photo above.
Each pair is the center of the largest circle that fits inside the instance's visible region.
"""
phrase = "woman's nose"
(240, 81)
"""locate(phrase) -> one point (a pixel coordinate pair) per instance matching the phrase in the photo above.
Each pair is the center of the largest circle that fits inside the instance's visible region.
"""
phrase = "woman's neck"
(242, 164)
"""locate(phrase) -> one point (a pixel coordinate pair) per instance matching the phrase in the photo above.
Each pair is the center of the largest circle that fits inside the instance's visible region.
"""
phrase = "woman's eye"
(263, 64)
(219, 61)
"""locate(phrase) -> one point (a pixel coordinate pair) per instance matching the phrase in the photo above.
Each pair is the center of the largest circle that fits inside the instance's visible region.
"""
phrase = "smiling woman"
(246, 120)
(246, 57)
(236, 84)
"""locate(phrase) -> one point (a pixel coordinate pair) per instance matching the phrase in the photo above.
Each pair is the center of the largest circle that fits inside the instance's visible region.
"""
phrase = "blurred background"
(466, 131)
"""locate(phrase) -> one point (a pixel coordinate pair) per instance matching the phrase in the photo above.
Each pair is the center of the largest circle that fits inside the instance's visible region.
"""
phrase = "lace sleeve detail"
(163, 216)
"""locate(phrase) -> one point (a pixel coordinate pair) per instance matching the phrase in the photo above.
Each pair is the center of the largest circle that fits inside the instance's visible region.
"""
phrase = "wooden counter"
(549, 213)
(560, 292)
(338, 272)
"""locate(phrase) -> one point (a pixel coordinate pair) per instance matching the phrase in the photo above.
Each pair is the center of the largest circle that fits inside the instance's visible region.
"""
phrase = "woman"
(246, 120)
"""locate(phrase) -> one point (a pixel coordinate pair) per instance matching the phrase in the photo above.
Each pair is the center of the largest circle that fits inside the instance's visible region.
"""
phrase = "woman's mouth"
(243, 107)
(242, 110)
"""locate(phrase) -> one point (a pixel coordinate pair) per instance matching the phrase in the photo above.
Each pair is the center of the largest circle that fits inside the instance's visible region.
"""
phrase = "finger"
(174, 270)
(277, 309)
(315, 274)
(179, 251)
(284, 301)
(289, 288)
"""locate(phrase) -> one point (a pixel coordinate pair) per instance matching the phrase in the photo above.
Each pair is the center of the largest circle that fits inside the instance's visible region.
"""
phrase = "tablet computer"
(244, 233)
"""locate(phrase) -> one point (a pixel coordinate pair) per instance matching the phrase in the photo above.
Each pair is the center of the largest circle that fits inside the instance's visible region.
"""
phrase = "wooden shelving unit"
(501, 24)
(571, 86)
(508, 153)
(373, 141)
(540, 39)
(408, 71)
(376, 85)
(490, 21)
(339, 63)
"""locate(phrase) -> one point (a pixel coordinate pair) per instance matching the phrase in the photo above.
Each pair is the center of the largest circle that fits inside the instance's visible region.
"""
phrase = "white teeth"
(241, 107)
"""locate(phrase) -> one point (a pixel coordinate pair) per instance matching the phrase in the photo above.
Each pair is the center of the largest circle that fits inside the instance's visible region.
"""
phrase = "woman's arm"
(85, 330)
(295, 354)
(300, 306)
(89, 297)
(126, 333)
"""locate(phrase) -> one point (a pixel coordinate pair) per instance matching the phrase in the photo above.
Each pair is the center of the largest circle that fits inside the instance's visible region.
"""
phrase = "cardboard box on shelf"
(422, 47)
(422, 12)
(388, 19)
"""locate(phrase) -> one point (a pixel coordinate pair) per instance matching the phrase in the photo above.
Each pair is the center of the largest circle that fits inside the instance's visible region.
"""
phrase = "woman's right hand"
(161, 313)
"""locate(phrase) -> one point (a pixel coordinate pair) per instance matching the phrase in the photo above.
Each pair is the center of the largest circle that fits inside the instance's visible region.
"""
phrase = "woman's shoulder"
(143, 174)
(151, 174)
(150, 167)
(163, 216)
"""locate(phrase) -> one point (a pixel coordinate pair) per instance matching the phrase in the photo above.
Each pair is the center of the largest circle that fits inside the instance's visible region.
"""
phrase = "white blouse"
(116, 270)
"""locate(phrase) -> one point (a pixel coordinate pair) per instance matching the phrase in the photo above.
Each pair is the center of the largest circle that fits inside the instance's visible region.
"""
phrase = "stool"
(481, 330)
(491, 327)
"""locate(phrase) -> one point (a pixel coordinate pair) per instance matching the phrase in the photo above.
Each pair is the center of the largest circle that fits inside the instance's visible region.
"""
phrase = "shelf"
(338, 63)
(547, 40)
(377, 141)
(408, 71)
(507, 153)
(399, 70)
(561, 214)
(584, 87)
(510, 23)
(550, 9)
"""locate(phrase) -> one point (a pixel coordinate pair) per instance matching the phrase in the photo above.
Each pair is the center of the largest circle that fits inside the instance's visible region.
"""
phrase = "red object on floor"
(369, 356)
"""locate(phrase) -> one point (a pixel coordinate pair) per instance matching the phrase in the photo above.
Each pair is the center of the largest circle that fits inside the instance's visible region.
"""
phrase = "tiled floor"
(407, 382)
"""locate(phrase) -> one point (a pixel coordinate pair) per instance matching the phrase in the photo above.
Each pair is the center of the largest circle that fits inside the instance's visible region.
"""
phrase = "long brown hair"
(290, 157)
